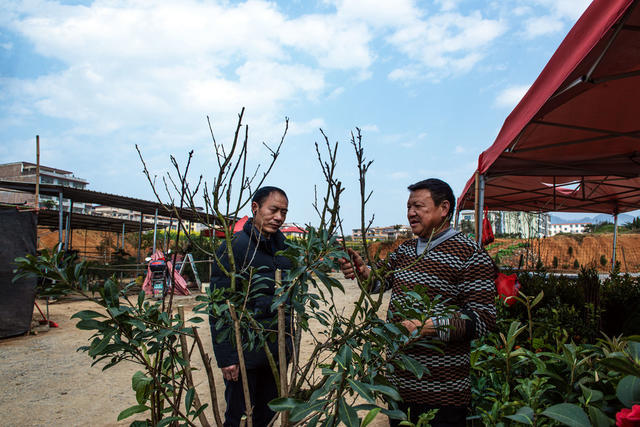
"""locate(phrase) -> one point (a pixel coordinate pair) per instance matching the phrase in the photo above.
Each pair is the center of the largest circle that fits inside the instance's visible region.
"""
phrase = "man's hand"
(230, 373)
(354, 267)
(426, 329)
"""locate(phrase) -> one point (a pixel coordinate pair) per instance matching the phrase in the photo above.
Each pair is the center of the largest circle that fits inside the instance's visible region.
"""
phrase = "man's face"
(424, 216)
(271, 215)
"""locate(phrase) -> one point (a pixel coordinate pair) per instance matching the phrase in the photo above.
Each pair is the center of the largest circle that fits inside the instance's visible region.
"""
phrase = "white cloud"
(370, 128)
(7, 46)
(399, 175)
(459, 149)
(542, 25)
(310, 126)
(377, 13)
(543, 17)
(567, 9)
(444, 44)
(510, 97)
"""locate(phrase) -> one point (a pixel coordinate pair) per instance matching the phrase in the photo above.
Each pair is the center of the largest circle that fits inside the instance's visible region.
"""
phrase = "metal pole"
(67, 235)
(480, 207)
(615, 241)
(37, 172)
(140, 237)
(155, 230)
(476, 202)
(123, 236)
(60, 220)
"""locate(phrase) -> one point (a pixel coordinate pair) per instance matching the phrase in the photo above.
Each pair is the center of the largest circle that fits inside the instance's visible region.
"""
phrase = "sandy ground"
(45, 381)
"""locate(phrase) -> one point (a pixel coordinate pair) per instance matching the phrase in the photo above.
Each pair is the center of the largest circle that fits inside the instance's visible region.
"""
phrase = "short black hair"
(263, 193)
(440, 191)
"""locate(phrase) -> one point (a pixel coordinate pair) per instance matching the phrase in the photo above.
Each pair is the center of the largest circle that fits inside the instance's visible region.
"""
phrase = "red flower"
(628, 417)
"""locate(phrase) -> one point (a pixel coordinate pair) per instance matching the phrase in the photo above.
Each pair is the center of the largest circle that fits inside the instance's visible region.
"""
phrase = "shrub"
(603, 260)
(555, 262)
(576, 264)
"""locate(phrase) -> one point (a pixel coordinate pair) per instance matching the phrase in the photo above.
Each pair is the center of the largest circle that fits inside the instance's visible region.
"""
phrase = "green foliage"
(603, 260)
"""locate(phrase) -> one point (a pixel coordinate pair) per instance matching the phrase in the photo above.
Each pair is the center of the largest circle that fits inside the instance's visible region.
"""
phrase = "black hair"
(440, 191)
(263, 193)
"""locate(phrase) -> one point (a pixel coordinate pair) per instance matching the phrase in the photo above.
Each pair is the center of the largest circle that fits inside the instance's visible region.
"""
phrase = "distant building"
(163, 221)
(26, 172)
(524, 224)
(290, 230)
(570, 227)
(391, 232)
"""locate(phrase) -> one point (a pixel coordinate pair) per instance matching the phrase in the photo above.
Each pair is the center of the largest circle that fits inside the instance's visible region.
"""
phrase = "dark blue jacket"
(251, 249)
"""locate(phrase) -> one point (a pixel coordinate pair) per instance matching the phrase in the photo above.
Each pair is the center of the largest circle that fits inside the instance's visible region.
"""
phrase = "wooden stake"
(243, 366)
(282, 349)
(187, 370)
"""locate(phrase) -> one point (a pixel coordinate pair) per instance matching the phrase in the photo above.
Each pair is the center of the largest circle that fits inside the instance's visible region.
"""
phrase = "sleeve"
(477, 314)
(225, 351)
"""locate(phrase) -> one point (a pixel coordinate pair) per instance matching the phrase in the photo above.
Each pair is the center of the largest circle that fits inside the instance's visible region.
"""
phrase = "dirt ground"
(45, 381)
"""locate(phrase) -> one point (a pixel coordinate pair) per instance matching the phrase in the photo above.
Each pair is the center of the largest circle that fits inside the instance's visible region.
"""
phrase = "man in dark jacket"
(254, 247)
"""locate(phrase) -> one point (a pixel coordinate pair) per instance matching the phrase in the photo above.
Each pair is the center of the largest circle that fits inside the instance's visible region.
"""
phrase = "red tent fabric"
(573, 142)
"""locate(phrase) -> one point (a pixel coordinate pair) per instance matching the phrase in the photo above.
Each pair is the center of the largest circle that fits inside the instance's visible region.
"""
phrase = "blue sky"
(429, 83)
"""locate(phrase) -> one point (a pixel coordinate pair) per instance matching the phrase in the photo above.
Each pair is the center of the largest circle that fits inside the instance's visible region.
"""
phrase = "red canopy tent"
(573, 142)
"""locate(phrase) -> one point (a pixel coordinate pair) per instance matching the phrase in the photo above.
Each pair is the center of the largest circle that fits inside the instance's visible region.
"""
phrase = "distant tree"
(576, 264)
(603, 260)
(555, 262)
(570, 251)
(466, 226)
(633, 226)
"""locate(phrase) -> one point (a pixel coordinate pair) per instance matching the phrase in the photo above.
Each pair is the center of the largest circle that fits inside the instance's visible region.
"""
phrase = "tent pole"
(480, 207)
(476, 202)
(457, 220)
(155, 230)
(615, 241)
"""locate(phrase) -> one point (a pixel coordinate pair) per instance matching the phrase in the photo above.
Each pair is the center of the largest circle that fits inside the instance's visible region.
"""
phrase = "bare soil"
(45, 381)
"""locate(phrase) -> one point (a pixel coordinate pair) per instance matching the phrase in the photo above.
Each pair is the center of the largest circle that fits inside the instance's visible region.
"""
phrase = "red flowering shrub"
(628, 417)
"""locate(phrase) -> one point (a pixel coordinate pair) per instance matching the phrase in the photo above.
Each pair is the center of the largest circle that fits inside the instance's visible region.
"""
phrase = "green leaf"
(591, 395)
(388, 391)
(348, 415)
(598, 418)
(169, 420)
(628, 391)
(139, 380)
(136, 409)
(413, 366)
(102, 344)
(284, 404)
(344, 357)
(89, 324)
(537, 299)
(196, 320)
(524, 416)
(87, 314)
(305, 409)
(141, 298)
(370, 417)
(364, 390)
(568, 414)
(188, 400)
